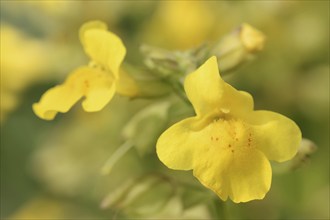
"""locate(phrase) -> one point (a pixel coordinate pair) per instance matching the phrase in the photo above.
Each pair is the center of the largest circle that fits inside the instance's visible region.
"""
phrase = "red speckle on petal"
(86, 83)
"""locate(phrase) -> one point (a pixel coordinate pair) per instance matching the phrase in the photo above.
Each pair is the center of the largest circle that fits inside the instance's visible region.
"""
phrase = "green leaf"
(145, 127)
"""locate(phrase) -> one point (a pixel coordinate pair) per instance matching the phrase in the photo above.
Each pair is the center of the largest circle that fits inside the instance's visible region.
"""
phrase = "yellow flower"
(22, 63)
(227, 144)
(96, 82)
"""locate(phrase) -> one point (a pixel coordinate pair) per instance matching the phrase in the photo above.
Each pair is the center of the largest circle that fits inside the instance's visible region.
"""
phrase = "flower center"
(230, 134)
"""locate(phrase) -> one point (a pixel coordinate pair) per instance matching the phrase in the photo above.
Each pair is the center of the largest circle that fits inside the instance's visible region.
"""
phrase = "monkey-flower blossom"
(227, 144)
(96, 82)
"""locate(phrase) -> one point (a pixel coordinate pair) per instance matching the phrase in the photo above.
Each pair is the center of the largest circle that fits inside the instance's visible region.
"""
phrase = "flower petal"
(57, 99)
(204, 87)
(104, 48)
(208, 93)
(96, 85)
(235, 102)
(176, 146)
(243, 176)
(126, 85)
(277, 136)
(100, 88)
(90, 26)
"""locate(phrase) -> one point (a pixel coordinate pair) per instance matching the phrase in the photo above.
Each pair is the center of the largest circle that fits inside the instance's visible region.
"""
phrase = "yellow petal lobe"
(105, 49)
(208, 93)
(90, 26)
(277, 136)
(57, 99)
(204, 87)
(235, 102)
(242, 176)
(176, 146)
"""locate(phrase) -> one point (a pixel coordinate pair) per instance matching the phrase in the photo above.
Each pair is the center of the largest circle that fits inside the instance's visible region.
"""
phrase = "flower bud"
(238, 47)
(252, 39)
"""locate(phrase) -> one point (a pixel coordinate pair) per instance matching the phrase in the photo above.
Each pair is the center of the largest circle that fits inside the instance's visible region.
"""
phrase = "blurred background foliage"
(53, 169)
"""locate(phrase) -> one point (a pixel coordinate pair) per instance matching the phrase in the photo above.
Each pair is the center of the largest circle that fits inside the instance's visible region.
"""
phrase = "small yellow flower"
(227, 144)
(96, 82)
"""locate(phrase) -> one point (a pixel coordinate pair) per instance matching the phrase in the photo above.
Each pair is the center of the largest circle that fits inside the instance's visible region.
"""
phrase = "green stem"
(119, 153)
(219, 209)
(178, 89)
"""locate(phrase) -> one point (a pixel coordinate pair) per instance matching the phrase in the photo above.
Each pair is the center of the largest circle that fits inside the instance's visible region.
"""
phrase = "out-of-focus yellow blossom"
(51, 6)
(97, 82)
(39, 208)
(181, 24)
(47, 207)
(227, 144)
(22, 62)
